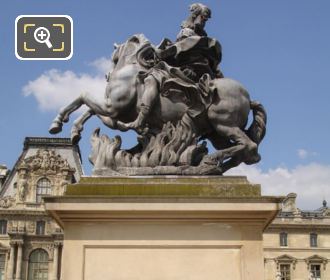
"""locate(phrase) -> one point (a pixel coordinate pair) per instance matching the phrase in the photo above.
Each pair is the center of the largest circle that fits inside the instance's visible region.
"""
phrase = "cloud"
(310, 182)
(304, 154)
(103, 65)
(55, 89)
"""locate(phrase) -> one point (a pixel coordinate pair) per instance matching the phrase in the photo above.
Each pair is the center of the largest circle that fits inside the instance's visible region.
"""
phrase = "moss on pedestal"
(174, 186)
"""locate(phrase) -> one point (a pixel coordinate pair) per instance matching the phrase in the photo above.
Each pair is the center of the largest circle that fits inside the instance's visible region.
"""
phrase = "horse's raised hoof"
(66, 118)
(123, 126)
(56, 127)
(75, 138)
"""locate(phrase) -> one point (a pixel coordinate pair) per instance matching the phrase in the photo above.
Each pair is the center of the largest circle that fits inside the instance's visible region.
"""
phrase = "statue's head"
(199, 16)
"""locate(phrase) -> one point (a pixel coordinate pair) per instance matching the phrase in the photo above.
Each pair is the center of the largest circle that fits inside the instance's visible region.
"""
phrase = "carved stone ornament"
(174, 95)
(45, 161)
(22, 186)
(286, 259)
(31, 227)
(316, 259)
(7, 201)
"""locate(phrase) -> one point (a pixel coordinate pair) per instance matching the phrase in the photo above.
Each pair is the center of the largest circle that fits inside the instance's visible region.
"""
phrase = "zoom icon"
(40, 37)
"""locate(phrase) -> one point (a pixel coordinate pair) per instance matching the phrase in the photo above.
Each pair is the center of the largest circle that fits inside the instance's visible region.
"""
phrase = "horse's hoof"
(75, 138)
(55, 128)
(122, 126)
(66, 119)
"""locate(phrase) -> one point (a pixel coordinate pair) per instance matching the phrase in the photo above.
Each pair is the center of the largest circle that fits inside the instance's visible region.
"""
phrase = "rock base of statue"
(160, 170)
(163, 228)
(173, 151)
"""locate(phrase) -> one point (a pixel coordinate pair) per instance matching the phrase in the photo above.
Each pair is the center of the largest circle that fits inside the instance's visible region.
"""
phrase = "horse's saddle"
(179, 88)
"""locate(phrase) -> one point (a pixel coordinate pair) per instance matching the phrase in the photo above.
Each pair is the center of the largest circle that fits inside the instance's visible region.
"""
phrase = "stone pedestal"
(165, 228)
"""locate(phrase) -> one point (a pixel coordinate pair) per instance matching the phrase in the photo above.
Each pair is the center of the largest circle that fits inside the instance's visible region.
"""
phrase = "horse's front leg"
(63, 115)
(78, 126)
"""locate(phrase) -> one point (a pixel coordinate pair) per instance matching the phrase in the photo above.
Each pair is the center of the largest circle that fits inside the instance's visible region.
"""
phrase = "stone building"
(30, 241)
(296, 244)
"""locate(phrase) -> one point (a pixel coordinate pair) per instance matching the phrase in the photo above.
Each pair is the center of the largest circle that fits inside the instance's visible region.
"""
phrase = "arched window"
(38, 265)
(43, 188)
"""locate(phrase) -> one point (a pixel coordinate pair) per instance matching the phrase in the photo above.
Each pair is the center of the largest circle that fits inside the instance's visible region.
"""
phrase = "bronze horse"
(223, 121)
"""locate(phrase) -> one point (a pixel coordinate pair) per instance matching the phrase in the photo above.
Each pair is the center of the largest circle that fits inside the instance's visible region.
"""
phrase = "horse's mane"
(146, 56)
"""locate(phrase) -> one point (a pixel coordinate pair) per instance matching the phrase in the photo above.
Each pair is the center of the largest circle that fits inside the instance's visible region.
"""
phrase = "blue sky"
(280, 50)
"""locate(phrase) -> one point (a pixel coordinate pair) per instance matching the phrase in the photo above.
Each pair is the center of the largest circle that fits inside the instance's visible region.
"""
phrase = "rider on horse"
(189, 65)
(175, 89)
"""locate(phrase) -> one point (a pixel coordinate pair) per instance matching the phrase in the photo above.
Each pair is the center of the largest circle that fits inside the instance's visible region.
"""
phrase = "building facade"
(30, 241)
(296, 244)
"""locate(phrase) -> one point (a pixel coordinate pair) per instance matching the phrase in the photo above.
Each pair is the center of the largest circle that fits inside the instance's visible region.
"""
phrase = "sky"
(279, 50)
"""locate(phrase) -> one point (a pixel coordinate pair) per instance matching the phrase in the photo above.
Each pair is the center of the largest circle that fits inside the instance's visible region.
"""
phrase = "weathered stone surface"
(163, 227)
(159, 170)
(183, 186)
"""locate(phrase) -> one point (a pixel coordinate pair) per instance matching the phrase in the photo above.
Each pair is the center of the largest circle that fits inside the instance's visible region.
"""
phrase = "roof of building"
(32, 144)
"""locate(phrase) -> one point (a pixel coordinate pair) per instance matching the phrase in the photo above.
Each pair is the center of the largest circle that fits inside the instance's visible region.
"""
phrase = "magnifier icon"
(42, 35)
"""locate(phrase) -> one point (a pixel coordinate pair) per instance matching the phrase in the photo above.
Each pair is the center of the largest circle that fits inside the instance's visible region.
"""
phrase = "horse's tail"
(257, 130)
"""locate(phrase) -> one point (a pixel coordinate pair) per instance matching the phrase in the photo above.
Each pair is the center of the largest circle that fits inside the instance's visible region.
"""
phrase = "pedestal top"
(178, 186)
(164, 198)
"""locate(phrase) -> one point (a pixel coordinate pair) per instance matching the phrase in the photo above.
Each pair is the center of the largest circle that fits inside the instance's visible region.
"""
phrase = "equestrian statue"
(175, 97)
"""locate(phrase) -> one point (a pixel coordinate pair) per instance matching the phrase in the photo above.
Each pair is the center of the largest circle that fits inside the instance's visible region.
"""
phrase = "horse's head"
(199, 16)
(125, 53)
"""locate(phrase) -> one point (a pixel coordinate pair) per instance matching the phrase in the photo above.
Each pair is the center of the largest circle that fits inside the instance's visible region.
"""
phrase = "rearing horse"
(224, 122)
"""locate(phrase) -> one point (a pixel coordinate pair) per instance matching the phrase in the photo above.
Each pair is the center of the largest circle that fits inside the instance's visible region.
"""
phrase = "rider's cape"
(202, 55)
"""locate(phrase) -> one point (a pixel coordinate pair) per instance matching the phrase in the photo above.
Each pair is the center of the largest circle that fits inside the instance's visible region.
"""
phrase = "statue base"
(184, 170)
(164, 228)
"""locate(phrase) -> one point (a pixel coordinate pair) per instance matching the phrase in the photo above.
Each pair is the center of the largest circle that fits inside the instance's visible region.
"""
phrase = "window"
(3, 227)
(283, 239)
(43, 188)
(40, 228)
(316, 272)
(38, 265)
(2, 266)
(285, 272)
(313, 240)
